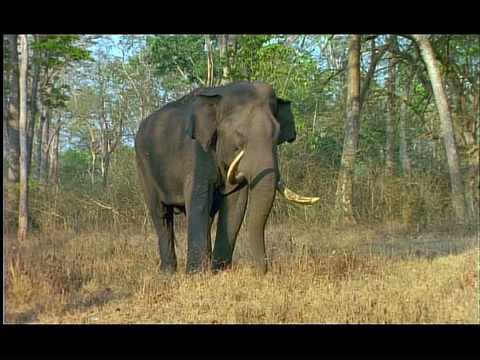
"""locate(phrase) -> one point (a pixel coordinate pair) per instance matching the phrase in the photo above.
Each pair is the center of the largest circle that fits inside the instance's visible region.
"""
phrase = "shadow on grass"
(25, 317)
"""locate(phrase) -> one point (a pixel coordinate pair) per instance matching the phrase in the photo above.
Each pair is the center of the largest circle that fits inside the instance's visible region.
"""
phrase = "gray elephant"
(206, 153)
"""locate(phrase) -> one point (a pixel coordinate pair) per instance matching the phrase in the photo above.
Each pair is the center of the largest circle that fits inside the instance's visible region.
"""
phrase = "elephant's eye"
(240, 140)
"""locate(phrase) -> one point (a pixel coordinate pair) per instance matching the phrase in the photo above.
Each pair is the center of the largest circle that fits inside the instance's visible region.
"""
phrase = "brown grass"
(318, 274)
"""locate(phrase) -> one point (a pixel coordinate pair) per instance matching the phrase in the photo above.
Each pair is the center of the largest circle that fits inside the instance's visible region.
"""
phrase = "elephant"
(207, 153)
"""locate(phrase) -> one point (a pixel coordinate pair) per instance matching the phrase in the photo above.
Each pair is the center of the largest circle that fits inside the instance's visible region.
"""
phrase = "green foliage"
(57, 98)
(182, 55)
(271, 58)
(56, 50)
(53, 53)
(75, 167)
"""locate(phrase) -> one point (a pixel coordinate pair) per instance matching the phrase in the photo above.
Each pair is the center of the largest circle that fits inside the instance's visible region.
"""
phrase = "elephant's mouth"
(235, 177)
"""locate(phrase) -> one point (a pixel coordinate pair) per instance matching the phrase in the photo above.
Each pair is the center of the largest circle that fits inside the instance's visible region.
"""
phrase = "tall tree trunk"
(210, 67)
(105, 163)
(47, 87)
(40, 137)
(5, 110)
(227, 45)
(347, 165)
(403, 151)
(465, 126)
(13, 177)
(23, 136)
(33, 108)
(390, 128)
(44, 163)
(458, 189)
(93, 151)
(140, 95)
(104, 142)
(54, 148)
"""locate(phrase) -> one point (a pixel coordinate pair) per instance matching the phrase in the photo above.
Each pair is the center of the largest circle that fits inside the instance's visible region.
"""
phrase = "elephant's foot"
(261, 266)
(168, 267)
(196, 267)
(219, 265)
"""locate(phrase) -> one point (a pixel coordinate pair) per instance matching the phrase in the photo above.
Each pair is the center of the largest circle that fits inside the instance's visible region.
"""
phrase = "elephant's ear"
(287, 123)
(203, 124)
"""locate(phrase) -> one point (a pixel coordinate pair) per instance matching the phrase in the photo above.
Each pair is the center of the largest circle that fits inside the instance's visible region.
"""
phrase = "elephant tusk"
(293, 197)
(231, 178)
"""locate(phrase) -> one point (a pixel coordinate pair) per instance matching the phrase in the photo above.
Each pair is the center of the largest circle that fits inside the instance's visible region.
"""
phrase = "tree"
(356, 96)
(33, 104)
(458, 55)
(458, 189)
(390, 128)
(23, 137)
(53, 54)
(13, 177)
(115, 102)
(227, 46)
(347, 166)
(403, 148)
(210, 63)
(179, 59)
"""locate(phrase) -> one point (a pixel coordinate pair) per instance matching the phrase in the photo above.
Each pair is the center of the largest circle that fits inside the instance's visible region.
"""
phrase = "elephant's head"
(244, 122)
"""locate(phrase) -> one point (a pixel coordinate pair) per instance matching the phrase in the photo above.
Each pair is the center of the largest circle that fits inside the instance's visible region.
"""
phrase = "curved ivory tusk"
(232, 169)
(293, 197)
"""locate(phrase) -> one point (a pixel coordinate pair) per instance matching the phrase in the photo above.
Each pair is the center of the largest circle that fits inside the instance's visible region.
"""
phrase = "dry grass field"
(317, 274)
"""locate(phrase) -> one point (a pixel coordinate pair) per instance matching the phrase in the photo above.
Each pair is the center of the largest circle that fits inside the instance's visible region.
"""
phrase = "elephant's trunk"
(262, 195)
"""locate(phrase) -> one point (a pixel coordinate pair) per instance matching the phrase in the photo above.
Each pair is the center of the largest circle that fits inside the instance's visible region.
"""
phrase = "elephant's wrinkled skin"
(184, 152)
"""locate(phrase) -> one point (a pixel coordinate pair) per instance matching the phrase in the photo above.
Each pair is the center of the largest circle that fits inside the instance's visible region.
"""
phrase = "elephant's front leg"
(230, 219)
(198, 208)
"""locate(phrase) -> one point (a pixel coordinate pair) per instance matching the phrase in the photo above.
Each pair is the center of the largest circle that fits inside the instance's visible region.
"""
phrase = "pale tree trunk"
(474, 155)
(5, 143)
(110, 141)
(44, 163)
(5, 103)
(227, 45)
(210, 67)
(13, 177)
(33, 107)
(140, 95)
(109, 138)
(106, 150)
(23, 136)
(50, 143)
(53, 148)
(39, 136)
(403, 151)
(105, 143)
(93, 151)
(106, 139)
(347, 165)
(453, 160)
(465, 126)
(390, 126)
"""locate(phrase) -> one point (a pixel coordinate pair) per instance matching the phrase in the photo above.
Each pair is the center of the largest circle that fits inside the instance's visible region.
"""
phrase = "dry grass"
(382, 274)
